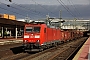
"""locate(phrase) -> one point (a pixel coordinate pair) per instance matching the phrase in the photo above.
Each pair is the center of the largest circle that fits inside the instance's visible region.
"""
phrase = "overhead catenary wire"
(43, 7)
(67, 9)
(36, 12)
(25, 8)
(12, 11)
(15, 7)
(74, 7)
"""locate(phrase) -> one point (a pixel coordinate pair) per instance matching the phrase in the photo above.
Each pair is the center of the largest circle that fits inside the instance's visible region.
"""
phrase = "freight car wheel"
(41, 49)
(56, 44)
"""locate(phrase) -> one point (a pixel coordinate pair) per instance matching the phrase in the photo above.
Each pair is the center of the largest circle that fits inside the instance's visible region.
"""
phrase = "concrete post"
(6, 29)
(6, 32)
(16, 33)
(10, 33)
(2, 32)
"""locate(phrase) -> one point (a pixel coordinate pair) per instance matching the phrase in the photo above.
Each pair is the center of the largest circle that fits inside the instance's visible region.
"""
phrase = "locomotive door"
(45, 34)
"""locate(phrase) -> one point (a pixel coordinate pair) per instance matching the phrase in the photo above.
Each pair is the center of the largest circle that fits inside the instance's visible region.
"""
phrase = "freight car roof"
(4, 21)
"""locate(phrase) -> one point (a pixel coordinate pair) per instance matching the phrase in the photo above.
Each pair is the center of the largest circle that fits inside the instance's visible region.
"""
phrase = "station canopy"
(8, 22)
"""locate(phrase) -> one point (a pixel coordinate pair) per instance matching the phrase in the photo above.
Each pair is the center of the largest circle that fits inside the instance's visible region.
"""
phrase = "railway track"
(69, 51)
(16, 57)
(61, 52)
(6, 50)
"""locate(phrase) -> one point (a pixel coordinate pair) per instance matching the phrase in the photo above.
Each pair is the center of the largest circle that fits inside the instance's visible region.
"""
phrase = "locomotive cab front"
(31, 37)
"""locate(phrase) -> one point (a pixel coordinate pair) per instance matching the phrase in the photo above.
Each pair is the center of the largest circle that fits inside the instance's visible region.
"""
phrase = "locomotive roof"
(37, 22)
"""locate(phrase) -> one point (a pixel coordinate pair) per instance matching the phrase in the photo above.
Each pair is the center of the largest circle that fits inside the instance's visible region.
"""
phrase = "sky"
(49, 2)
(80, 8)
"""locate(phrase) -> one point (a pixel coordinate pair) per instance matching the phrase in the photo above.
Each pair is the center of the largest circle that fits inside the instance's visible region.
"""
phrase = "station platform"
(84, 52)
(4, 41)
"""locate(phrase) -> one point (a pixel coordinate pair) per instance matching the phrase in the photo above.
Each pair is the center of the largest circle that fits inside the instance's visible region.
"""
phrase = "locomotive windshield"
(33, 29)
(36, 29)
(29, 29)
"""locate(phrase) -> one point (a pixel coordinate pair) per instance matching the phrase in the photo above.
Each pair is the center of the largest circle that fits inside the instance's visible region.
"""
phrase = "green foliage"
(5, 33)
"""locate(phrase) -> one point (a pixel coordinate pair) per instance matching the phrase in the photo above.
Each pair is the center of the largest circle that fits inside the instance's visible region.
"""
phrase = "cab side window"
(45, 30)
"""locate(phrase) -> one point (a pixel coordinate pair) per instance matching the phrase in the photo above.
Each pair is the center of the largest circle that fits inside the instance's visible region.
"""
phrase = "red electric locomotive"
(40, 36)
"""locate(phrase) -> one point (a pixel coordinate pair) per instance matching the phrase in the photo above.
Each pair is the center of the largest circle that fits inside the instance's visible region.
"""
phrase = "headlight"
(37, 36)
(26, 36)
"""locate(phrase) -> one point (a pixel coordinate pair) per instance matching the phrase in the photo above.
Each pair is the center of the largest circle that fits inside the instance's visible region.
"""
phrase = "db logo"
(32, 36)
